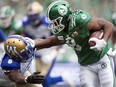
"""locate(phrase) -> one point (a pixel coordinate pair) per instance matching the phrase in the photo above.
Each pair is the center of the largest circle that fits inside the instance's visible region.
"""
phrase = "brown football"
(96, 34)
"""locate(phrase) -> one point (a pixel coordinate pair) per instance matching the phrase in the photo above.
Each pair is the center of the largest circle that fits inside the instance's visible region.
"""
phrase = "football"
(96, 34)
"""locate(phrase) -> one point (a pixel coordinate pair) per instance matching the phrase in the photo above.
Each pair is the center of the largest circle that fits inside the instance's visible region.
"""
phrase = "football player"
(16, 61)
(36, 27)
(8, 23)
(74, 28)
(34, 22)
(34, 14)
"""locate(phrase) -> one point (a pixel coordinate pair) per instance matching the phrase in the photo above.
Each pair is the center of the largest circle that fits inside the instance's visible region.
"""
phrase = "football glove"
(100, 44)
(35, 78)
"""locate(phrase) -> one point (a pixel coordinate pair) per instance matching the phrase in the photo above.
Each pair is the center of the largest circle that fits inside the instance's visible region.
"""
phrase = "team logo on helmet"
(62, 10)
(11, 49)
(56, 26)
(83, 16)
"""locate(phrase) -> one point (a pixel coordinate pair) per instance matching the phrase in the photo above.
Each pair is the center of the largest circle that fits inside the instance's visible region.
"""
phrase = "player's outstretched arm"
(18, 78)
(48, 42)
(101, 24)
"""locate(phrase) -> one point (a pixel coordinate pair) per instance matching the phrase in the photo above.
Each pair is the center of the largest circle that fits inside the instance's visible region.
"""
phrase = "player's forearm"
(42, 43)
(45, 43)
(96, 24)
(17, 77)
(20, 81)
(108, 30)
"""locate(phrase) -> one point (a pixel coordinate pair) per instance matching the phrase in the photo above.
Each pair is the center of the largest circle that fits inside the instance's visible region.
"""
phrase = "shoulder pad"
(9, 64)
(83, 17)
(79, 18)
(44, 21)
(25, 21)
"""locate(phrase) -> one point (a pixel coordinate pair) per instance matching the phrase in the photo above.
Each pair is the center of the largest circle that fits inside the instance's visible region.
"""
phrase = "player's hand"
(100, 44)
(35, 78)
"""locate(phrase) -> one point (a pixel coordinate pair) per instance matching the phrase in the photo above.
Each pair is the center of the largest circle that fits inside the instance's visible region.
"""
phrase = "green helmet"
(57, 14)
(6, 16)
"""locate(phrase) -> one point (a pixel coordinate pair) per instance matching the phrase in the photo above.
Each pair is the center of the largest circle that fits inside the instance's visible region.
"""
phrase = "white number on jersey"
(71, 42)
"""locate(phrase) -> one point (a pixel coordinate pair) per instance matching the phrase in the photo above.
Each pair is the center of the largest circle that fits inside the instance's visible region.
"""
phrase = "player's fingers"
(39, 78)
(36, 73)
(93, 47)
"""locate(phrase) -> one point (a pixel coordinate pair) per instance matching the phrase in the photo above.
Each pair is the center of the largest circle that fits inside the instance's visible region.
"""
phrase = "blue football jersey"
(9, 64)
(27, 22)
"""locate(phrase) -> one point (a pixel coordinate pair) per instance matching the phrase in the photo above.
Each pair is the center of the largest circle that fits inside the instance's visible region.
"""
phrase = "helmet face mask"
(34, 19)
(56, 25)
(57, 15)
(26, 54)
(17, 48)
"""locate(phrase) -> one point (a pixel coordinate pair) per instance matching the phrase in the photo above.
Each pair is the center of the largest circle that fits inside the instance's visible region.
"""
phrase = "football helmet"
(6, 16)
(34, 10)
(57, 15)
(18, 48)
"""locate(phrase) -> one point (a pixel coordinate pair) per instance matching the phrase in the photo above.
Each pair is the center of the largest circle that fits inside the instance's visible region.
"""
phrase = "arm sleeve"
(52, 80)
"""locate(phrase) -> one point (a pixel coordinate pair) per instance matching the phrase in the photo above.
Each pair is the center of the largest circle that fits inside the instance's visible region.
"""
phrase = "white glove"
(30, 41)
(100, 44)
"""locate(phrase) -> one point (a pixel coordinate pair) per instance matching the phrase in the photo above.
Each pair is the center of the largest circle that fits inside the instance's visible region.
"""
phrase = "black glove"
(35, 78)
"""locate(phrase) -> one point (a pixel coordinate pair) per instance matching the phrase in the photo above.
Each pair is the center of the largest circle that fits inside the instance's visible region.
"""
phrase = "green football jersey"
(15, 28)
(77, 37)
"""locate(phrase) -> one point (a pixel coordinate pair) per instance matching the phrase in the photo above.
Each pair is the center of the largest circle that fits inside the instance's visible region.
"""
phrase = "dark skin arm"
(16, 77)
(101, 24)
(45, 43)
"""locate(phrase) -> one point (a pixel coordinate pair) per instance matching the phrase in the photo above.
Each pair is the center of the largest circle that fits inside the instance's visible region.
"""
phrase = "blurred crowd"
(28, 18)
